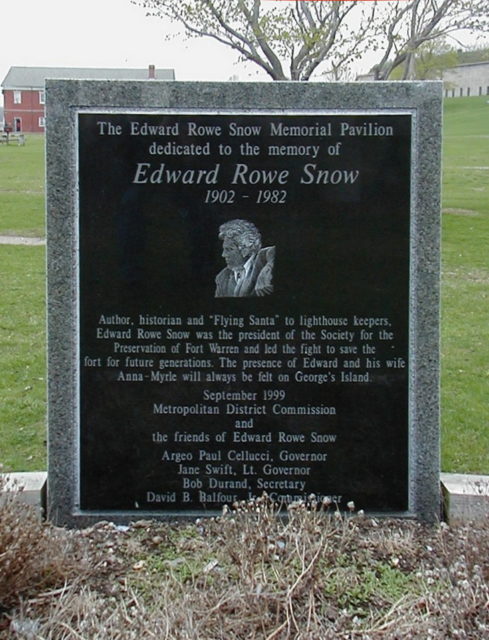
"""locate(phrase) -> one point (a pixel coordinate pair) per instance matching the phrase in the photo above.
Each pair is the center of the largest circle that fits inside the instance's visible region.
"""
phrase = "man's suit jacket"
(258, 282)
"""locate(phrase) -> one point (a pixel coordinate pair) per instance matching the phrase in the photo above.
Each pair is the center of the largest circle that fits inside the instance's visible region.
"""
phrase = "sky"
(106, 33)
(111, 33)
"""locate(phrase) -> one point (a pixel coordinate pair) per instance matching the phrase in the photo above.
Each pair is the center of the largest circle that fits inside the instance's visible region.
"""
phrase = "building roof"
(484, 63)
(34, 77)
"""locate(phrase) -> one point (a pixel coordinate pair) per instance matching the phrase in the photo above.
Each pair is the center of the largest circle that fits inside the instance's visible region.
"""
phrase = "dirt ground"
(249, 574)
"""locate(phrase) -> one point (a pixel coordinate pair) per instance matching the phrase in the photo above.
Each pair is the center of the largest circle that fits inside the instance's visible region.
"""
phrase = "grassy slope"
(465, 337)
(465, 329)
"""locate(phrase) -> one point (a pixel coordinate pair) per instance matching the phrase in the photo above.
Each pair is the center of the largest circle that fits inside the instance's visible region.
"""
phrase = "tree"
(413, 24)
(429, 62)
(477, 54)
(294, 40)
(288, 40)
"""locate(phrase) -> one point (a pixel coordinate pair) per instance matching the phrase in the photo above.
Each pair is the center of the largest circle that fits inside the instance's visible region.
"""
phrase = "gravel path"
(22, 240)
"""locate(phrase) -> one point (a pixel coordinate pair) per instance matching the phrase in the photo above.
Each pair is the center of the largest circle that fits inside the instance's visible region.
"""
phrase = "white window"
(42, 122)
(17, 97)
(41, 97)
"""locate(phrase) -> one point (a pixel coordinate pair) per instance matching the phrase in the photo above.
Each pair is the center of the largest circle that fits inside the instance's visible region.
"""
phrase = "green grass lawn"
(465, 301)
(22, 188)
(465, 286)
(22, 357)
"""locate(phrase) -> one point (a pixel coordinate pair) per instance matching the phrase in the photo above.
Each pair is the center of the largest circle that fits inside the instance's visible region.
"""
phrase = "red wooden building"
(23, 90)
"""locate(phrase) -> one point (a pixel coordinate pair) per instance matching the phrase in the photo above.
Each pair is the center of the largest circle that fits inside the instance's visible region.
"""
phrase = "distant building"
(23, 90)
(365, 77)
(468, 79)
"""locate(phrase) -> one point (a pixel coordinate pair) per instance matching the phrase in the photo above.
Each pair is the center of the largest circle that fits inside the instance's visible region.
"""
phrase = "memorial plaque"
(244, 313)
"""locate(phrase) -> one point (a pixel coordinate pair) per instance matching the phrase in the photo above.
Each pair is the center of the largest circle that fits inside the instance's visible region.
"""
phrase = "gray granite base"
(65, 97)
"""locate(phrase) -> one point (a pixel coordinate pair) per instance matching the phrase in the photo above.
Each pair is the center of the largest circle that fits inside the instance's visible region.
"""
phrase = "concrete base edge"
(464, 497)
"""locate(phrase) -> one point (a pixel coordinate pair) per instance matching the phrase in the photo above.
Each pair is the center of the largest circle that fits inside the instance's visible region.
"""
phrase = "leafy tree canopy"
(294, 40)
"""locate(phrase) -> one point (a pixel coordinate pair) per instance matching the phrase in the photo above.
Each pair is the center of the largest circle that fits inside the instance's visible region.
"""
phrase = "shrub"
(34, 556)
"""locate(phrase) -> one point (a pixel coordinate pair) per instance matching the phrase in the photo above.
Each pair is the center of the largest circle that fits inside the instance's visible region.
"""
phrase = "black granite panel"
(197, 389)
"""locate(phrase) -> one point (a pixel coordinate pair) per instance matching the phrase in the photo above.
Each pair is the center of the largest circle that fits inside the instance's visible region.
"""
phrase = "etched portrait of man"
(249, 270)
